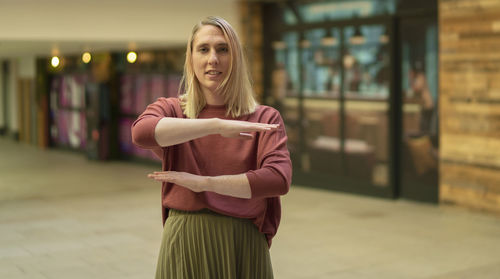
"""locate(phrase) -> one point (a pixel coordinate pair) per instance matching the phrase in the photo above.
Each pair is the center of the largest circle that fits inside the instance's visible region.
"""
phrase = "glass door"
(332, 87)
(419, 90)
(366, 103)
(321, 71)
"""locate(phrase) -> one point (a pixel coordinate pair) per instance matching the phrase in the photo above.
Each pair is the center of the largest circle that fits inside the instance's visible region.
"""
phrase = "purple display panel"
(62, 118)
(127, 96)
(83, 130)
(158, 87)
(54, 93)
(142, 88)
(125, 136)
(74, 129)
(173, 83)
(64, 93)
(76, 84)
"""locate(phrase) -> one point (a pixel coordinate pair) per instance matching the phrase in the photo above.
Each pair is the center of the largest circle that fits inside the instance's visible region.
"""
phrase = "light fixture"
(384, 38)
(86, 57)
(131, 57)
(329, 40)
(358, 38)
(278, 45)
(305, 43)
(54, 61)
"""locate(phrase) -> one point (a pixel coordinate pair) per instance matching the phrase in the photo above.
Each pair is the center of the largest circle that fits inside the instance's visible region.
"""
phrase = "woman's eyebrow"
(207, 44)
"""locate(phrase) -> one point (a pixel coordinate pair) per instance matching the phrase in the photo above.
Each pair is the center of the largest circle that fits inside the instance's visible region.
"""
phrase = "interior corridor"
(63, 216)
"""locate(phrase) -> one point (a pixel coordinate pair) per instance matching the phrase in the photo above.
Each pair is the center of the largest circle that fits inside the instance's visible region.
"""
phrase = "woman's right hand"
(242, 129)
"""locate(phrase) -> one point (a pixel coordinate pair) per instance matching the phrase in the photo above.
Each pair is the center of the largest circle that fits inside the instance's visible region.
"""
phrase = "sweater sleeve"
(143, 129)
(274, 168)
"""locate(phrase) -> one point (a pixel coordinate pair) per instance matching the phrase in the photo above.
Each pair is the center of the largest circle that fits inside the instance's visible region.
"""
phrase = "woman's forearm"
(236, 185)
(230, 185)
(170, 131)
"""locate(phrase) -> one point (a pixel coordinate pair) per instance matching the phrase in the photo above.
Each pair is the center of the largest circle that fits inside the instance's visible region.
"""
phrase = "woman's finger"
(246, 136)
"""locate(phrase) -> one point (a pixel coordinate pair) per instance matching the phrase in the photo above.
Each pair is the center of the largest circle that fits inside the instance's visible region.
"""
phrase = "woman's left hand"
(195, 183)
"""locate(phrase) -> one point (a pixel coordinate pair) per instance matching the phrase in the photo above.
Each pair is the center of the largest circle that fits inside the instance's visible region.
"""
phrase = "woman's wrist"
(209, 183)
(215, 125)
(236, 185)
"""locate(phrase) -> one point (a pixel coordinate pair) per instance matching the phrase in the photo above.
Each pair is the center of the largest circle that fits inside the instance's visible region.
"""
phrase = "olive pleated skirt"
(205, 244)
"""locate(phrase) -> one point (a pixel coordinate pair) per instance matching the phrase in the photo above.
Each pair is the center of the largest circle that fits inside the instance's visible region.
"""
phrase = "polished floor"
(63, 216)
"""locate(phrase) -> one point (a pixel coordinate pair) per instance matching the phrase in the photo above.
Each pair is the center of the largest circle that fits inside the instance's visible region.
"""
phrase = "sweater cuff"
(266, 183)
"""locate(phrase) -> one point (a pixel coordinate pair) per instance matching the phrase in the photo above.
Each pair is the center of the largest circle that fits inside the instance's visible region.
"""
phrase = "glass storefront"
(335, 78)
(332, 87)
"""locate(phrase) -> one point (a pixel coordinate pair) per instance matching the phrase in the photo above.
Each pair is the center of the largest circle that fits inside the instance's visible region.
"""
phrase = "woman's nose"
(213, 59)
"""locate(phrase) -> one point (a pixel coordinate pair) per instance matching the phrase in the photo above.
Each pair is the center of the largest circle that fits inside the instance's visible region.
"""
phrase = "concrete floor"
(62, 216)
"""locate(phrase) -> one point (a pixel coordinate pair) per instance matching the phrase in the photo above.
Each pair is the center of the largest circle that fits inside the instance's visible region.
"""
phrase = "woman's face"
(211, 57)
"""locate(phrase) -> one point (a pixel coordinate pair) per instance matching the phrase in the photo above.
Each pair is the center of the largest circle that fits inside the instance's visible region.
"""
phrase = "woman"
(225, 164)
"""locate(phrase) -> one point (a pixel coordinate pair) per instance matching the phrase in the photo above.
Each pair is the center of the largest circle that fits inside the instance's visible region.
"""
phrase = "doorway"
(334, 87)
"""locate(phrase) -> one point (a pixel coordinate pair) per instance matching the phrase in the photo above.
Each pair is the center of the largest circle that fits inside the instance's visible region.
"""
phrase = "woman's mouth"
(213, 73)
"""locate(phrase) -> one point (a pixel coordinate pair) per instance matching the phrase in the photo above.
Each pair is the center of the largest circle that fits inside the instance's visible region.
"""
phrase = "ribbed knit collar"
(215, 107)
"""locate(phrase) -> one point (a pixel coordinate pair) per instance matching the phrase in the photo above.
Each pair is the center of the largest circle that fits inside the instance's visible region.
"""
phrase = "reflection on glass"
(320, 63)
(349, 143)
(321, 114)
(285, 82)
(323, 136)
(366, 62)
(420, 116)
(366, 84)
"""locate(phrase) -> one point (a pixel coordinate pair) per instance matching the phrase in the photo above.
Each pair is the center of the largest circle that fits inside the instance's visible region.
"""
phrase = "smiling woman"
(225, 164)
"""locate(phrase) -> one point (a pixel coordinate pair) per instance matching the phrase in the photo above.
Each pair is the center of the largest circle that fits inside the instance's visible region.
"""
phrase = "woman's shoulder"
(268, 110)
(266, 113)
(171, 104)
(169, 101)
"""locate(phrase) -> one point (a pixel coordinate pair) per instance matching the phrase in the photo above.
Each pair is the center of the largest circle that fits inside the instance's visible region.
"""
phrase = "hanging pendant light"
(358, 38)
(305, 43)
(278, 45)
(329, 40)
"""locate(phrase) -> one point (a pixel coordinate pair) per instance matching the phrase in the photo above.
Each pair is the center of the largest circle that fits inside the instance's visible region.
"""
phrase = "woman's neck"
(213, 98)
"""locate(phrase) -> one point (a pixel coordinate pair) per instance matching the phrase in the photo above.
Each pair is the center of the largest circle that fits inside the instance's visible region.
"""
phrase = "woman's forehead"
(209, 34)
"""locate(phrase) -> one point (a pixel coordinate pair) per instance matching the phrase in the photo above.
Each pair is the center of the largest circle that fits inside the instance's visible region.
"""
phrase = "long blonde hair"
(236, 87)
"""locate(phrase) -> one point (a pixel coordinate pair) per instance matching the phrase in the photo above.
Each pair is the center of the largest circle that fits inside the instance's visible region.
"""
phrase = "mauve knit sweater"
(264, 159)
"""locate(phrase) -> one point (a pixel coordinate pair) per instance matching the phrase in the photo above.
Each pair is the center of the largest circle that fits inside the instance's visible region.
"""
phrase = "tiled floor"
(62, 216)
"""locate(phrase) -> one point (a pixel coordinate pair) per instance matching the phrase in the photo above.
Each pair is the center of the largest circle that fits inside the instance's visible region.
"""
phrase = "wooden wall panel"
(251, 37)
(469, 77)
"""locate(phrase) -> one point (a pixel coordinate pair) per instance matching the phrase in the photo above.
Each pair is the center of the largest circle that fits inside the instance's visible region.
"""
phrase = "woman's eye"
(203, 49)
(224, 49)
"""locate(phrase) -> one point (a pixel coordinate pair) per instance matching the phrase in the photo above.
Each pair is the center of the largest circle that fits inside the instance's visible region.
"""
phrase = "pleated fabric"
(205, 244)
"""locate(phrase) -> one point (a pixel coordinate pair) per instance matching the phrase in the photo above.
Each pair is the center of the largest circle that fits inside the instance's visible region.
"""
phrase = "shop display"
(127, 94)
(69, 125)
(136, 93)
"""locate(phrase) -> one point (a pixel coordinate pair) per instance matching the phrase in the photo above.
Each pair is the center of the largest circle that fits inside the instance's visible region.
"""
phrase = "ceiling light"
(54, 61)
(329, 39)
(86, 57)
(358, 38)
(131, 57)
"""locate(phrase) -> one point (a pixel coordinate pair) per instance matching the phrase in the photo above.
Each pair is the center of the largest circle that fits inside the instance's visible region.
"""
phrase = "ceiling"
(42, 28)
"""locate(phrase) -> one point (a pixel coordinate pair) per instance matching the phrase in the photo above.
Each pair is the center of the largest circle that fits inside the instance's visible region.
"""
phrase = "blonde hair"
(236, 87)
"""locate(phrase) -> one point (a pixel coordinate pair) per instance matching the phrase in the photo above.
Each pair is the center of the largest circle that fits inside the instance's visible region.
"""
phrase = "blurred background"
(391, 107)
